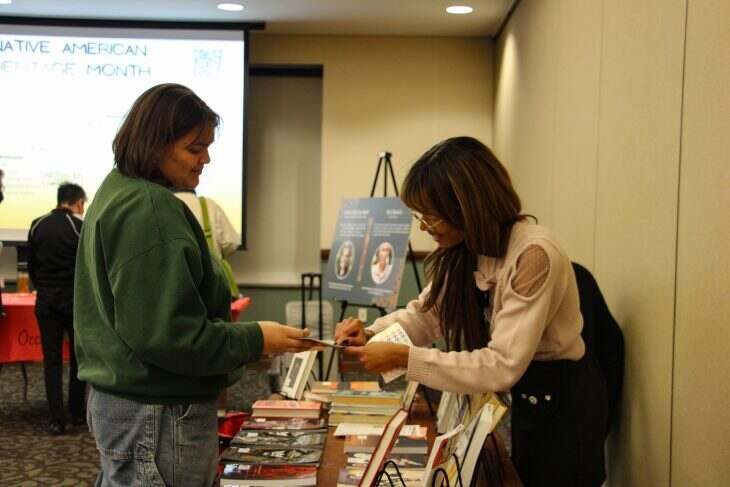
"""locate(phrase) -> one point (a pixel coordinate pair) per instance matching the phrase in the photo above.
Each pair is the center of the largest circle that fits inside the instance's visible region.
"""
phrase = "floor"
(30, 457)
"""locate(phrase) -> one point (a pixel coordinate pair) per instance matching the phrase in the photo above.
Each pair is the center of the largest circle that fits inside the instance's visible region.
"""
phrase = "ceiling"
(328, 17)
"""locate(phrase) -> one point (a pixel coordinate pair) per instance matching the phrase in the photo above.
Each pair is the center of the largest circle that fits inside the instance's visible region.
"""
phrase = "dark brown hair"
(462, 182)
(70, 193)
(159, 117)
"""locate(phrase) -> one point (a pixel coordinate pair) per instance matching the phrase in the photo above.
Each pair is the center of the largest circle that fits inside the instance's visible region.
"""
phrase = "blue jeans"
(153, 444)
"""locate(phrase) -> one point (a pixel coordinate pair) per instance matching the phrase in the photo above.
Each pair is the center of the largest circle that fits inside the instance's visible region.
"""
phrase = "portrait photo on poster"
(344, 260)
(382, 263)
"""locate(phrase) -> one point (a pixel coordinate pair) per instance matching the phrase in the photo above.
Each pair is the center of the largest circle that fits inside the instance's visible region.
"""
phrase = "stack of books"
(275, 451)
(328, 388)
(286, 409)
(362, 468)
(323, 391)
(268, 475)
(413, 444)
(372, 407)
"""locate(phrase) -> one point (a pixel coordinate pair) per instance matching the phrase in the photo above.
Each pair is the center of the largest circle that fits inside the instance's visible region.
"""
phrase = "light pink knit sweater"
(545, 325)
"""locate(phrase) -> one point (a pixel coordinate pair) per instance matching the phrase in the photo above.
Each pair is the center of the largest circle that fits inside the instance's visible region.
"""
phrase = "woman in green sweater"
(152, 309)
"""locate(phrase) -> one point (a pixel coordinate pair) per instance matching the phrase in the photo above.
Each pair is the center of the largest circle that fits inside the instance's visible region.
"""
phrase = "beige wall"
(701, 419)
(589, 119)
(400, 94)
(284, 154)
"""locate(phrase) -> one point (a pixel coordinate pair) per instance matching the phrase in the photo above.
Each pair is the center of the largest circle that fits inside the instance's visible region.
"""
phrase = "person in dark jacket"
(52, 242)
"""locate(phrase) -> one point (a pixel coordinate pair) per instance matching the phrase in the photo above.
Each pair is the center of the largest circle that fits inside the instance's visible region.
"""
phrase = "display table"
(334, 459)
(20, 337)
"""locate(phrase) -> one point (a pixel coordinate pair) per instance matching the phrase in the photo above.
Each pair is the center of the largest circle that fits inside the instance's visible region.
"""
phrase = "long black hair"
(462, 182)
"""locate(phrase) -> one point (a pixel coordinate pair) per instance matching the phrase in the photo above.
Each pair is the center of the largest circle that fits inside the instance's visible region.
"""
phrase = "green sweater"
(151, 309)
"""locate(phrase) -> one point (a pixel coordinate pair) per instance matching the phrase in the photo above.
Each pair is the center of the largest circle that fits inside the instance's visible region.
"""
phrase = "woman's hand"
(282, 338)
(350, 331)
(381, 356)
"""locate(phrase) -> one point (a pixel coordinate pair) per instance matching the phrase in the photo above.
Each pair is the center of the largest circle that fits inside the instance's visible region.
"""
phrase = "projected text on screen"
(65, 91)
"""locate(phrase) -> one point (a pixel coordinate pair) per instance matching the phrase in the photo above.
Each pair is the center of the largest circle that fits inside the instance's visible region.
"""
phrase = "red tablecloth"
(20, 338)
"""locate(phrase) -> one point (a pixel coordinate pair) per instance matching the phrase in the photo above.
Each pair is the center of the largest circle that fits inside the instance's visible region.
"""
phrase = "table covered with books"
(20, 338)
(297, 442)
(377, 432)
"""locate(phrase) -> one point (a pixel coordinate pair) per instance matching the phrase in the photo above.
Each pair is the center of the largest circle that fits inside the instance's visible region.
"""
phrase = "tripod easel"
(385, 164)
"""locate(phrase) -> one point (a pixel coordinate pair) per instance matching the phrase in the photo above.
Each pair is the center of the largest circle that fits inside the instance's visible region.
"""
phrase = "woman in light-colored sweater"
(503, 296)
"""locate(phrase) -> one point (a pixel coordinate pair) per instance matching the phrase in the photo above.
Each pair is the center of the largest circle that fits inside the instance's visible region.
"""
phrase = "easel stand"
(311, 282)
(386, 166)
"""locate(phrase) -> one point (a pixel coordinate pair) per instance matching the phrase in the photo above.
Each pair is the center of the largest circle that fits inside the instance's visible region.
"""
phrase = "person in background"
(503, 296)
(220, 235)
(52, 242)
(225, 238)
(152, 311)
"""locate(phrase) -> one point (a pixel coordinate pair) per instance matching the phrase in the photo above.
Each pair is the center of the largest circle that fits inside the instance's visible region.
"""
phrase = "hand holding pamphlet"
(393, 334)
(324, 343)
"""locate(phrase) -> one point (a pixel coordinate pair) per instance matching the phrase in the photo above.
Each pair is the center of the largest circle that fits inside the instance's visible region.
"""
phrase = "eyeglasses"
(429, 222)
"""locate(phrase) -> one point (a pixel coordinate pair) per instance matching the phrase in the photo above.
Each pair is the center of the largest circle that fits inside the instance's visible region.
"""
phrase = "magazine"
(280, 439)
(294, 424)
(443, 445)
(271, 456)
(236, 474)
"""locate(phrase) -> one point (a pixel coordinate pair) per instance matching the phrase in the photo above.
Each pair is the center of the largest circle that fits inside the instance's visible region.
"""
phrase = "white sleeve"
(225, 235)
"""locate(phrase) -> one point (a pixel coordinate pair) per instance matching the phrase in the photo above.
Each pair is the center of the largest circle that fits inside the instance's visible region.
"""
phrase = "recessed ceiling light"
(459, 9)
(230, 7)
(6, 2)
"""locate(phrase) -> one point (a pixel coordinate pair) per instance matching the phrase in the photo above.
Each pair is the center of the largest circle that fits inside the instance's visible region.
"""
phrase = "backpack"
(224, 264)
(603, 337)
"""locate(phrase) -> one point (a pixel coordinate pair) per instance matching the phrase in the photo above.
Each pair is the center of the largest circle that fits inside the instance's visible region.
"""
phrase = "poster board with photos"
(368, 252)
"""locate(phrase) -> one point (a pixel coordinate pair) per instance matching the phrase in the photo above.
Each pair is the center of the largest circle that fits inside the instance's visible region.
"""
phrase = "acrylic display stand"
(491, 467)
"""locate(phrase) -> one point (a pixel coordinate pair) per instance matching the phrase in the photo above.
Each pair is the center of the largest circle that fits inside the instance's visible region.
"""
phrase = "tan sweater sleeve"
(517, 329)
(421, 326)
(226, 236)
